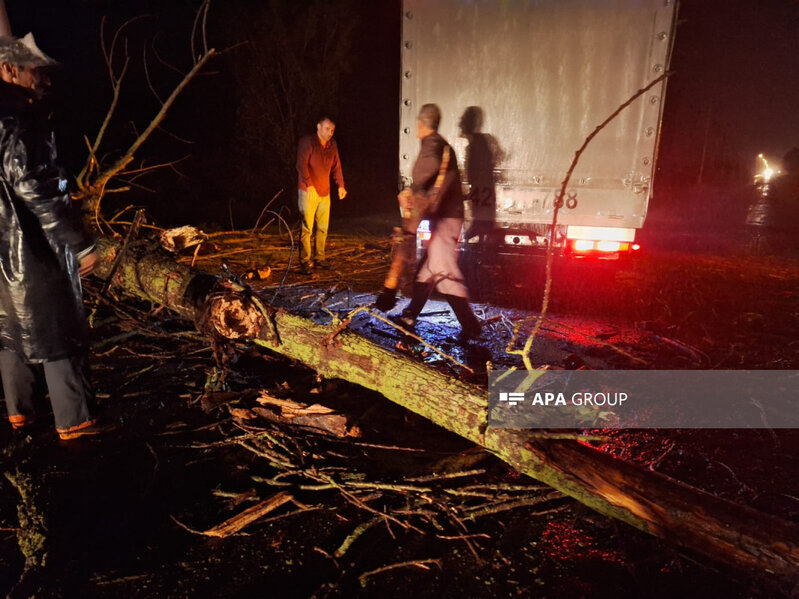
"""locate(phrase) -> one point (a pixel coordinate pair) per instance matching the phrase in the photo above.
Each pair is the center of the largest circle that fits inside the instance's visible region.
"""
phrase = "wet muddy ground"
(123, 515)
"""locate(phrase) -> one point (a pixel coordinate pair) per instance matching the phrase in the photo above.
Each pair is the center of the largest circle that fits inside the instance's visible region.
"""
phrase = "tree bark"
(693, 519)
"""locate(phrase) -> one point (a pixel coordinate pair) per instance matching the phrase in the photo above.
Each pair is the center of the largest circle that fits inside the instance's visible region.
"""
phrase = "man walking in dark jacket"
(317, 157)
(436, 186)
(43, 252)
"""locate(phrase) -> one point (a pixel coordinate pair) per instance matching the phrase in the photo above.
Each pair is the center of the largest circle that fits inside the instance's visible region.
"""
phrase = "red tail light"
(588, 246)
(600, 241)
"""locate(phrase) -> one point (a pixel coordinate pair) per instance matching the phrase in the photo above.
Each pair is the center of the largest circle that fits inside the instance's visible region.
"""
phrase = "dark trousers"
(71, 393)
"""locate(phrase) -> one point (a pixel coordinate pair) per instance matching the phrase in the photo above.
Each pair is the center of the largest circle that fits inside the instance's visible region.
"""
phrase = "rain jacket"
(41, 238)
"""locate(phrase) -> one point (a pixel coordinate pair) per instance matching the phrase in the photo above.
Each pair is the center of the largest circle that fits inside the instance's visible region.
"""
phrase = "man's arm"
(303, 160)
(426, 168)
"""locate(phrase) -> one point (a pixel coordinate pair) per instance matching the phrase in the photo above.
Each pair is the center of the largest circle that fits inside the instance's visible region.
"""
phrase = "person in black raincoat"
(43, 252)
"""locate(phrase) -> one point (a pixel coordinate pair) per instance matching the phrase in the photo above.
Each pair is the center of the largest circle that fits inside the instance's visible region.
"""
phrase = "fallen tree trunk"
(693, 519)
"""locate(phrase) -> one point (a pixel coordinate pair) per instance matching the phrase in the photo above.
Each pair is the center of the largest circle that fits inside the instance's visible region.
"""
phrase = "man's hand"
(87, 264)
(342, 193)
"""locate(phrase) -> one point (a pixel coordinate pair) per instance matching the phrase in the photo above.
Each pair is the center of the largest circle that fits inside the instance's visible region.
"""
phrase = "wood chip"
(248, 516)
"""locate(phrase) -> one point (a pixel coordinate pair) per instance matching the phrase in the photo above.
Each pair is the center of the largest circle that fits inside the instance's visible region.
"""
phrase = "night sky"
(734, 93)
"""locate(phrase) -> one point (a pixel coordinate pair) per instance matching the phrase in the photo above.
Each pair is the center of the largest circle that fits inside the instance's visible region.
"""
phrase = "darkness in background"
(735, 69)
(82, 92)
(210, 185)
(368, 133)
(733, 94)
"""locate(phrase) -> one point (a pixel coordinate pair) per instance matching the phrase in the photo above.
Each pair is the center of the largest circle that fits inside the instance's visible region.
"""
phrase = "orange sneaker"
(85, 429)
(20, 421)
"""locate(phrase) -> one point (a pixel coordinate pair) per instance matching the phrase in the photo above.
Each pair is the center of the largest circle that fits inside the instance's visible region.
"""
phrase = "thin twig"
(417, 563)
(265, 208)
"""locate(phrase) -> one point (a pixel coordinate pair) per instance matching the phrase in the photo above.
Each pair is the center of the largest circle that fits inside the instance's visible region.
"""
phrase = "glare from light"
(608, 246)
(600, 233)
(767, 173)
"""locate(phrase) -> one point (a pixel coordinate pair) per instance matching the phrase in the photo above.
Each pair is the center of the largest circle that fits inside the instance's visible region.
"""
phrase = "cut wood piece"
(332, 424)
(291, 408)
(690, 518)
(248, 516)
(315, 417)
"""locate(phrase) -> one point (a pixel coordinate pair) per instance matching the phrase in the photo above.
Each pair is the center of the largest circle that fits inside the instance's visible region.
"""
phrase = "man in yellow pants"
(317, 157)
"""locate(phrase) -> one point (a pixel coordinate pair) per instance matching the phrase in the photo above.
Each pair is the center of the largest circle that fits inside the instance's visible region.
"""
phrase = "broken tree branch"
(92, 179)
